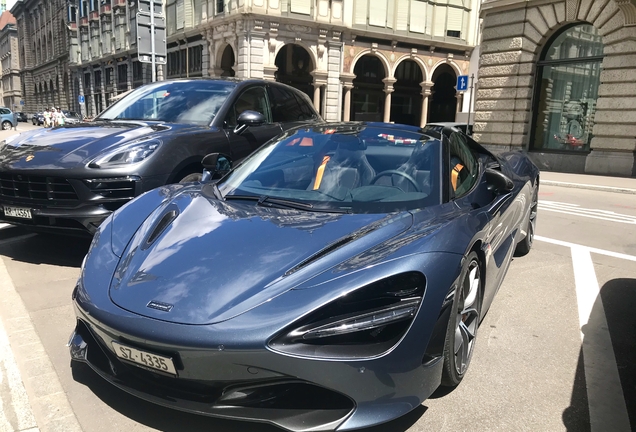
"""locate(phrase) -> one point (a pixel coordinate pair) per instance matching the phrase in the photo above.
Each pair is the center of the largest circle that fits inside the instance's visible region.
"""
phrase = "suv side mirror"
(248, 118)
(498, 182)
(215, 163)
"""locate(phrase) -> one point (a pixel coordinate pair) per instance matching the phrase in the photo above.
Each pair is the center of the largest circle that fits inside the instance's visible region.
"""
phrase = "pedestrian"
(15, 120)
(47, 118)
(61, 118)
(53, 117)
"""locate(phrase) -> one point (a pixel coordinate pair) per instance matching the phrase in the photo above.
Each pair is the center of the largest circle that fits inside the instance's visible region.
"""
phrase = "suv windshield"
(190, 102)
(349, 168)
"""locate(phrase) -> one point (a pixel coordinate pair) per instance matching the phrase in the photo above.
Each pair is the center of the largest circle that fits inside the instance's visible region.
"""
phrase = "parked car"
(22, 117)
(37, 119)
(7, 119)
(71, 117)
(333, 280)
(72, 177)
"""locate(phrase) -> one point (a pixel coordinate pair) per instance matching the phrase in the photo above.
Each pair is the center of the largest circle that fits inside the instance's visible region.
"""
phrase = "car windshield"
(189, 102)
(347, 168)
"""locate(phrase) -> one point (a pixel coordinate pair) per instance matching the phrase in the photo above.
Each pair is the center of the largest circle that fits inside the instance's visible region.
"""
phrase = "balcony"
(119, 3)
(83, 21)
(72, 25)
(105, 9)
(94, 16)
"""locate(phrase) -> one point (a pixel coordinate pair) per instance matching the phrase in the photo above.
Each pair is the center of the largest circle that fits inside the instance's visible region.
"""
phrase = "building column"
(347, 86)
(426, 93)
(388, 89)
(460, 101)
(320, 80)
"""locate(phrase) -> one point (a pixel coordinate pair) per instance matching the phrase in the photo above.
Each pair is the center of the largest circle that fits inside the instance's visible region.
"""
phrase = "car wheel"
(524, 246)
(6, 125)
(463, 323)
(194, 177)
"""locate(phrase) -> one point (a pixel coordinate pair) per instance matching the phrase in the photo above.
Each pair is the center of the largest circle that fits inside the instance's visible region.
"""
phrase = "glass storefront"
(567, 90)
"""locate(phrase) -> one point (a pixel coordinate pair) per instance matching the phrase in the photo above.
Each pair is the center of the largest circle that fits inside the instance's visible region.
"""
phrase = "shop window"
(567, 89)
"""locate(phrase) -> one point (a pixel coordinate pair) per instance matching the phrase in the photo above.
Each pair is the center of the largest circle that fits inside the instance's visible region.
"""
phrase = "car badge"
(29, 158)
(164, 307)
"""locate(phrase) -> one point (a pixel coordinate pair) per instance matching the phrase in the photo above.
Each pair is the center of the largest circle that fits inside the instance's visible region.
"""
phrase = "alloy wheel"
(467, 318)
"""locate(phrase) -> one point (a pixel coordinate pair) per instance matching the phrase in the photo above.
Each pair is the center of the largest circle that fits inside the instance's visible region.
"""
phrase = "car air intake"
(36, 187)
(115, 187)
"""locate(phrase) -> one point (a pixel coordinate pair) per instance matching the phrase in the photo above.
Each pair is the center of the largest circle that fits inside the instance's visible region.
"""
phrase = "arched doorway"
(227, 62)
(368, 89)
(294, 68)
(568, 75)
(443, 105)
(406, 101)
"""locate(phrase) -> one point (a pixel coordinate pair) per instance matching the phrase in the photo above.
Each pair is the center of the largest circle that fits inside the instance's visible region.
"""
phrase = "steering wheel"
(400, 173)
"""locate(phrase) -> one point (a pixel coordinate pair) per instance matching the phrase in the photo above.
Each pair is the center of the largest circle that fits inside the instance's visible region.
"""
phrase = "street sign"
(462, 83)
(80, 99)
(22, 102)
(144, 6)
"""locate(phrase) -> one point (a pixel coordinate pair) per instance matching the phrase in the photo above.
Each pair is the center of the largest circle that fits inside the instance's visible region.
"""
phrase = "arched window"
(568, 79)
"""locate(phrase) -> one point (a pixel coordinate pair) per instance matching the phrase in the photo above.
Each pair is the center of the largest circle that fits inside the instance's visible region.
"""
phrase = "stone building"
(104, 52)
(381, 60)
(558, 79)
(10, 61)
(43, 46)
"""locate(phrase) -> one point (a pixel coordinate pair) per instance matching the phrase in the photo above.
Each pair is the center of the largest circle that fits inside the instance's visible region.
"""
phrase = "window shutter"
(429, 18)
(377, 13)
(402, 15)
(360, 13)
(439, 24)
(180, 14)
(390, 14)
(301, 6)
(455, 16)
(418, 16)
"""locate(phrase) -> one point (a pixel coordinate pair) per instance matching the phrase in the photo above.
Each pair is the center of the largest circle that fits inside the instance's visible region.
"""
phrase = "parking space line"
(590, 249)
(606, 400)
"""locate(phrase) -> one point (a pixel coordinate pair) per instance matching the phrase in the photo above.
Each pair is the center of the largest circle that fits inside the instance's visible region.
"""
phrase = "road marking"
(575, 209)
(589, 249)
(605, 397)
(588, 186)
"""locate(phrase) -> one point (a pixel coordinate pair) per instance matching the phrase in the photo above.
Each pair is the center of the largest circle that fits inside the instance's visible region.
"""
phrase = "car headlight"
(126, 155)
(364, 323)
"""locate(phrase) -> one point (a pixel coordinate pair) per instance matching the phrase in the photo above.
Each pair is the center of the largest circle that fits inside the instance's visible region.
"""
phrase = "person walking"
(15, 120)
(47, 118)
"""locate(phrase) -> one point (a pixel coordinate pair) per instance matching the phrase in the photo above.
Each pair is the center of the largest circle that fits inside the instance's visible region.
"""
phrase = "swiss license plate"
(18, 212)
(145, 358)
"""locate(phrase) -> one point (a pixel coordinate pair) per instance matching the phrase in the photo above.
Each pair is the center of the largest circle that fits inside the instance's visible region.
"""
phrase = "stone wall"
(514, 35)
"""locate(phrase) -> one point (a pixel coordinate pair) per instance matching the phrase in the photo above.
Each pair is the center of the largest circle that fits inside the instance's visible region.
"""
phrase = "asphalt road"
(531, 370)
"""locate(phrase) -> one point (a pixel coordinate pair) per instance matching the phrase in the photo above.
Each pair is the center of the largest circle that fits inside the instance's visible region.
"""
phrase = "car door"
(464, 169)
(244, 143)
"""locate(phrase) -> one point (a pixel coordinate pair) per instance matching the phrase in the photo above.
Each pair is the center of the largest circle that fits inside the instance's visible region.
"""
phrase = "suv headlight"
(127, 155)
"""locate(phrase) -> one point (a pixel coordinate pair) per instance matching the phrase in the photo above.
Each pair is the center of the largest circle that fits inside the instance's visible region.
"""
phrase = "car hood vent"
(169, 216)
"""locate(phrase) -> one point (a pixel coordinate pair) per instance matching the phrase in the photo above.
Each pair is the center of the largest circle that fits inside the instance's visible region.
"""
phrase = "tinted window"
(193, 102)
(285, 105)
(252, 99)
(5, 111)
(305, 106)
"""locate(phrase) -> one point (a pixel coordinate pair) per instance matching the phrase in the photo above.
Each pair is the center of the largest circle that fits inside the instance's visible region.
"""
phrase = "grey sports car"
(333, 280)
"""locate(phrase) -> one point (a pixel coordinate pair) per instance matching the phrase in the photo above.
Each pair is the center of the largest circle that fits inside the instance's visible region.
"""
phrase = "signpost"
(151, 34)
(80, 99)
(462, 86)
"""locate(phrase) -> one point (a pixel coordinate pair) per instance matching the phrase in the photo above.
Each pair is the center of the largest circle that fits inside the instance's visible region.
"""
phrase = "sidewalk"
(592, 182)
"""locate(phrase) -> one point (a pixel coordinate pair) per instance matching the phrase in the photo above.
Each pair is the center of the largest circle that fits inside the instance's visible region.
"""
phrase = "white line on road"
(605, 397)
(575, 209)
(590, 249)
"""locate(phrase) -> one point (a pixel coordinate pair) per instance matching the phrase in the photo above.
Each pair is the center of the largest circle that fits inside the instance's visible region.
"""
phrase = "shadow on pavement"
(36, 248)
(169, 420)
(618, 302)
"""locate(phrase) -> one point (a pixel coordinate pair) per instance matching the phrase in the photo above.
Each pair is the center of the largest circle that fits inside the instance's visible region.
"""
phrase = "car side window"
(252, 99)
(463, 165)
(5, 111)
(286, 106)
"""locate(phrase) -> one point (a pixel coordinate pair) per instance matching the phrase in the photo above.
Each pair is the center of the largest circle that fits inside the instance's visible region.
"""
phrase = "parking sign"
(80, 99)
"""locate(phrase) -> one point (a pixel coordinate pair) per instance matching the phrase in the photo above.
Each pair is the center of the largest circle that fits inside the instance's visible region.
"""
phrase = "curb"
(46, 397)
(589, 187)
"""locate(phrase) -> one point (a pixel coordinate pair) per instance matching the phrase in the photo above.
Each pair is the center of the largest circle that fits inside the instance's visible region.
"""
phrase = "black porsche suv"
(72, 177)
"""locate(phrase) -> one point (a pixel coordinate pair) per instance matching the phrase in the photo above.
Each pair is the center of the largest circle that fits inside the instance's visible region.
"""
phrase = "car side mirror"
(217, 163)
(498, 182)
(248, 118)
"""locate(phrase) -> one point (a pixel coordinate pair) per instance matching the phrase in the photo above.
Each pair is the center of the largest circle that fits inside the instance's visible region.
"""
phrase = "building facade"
(380, 60)
(558, 79)
(103, 54)
(10, 62)
(43, 47)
